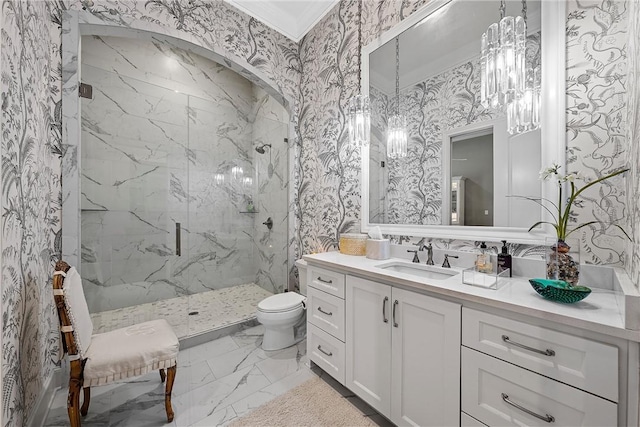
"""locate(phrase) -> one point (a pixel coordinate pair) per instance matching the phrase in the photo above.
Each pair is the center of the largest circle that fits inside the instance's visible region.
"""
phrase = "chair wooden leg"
(73, 400)
(86, 401)
(162, 375)
(171, 375)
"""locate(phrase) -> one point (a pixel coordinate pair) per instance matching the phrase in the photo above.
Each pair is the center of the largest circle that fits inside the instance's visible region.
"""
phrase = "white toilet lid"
(281, 302)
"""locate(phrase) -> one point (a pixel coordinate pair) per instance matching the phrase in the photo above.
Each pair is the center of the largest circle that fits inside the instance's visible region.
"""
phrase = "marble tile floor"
(216, 383)
(216, 309)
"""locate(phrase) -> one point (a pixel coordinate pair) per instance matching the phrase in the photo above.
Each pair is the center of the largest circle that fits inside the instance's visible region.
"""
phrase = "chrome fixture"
(507, 83)
(429, 253)
(415, 255)
(359, 111)
(269, 224)
(397, 125)
(446, 264)
(261, 148)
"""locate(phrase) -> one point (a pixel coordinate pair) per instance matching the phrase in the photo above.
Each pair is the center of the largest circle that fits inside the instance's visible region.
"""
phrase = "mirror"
(462, 165)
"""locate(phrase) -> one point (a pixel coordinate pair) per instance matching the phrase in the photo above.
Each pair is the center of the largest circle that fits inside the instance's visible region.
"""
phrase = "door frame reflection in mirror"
(552, 132)
(501, 172)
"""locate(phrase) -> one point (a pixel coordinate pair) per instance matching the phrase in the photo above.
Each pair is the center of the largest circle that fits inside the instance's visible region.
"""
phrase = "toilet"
(283, 315)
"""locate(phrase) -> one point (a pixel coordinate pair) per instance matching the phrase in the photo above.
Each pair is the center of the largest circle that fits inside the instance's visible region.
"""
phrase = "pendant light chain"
(524, 10)
(358, 110)
(398, 75)
(503, 9)
(359, 43)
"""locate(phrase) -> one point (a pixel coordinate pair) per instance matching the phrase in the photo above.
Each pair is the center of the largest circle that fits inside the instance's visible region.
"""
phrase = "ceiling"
(293, 18)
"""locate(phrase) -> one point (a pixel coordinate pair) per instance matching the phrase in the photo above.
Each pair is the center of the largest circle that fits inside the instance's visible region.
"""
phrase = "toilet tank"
(302, 275)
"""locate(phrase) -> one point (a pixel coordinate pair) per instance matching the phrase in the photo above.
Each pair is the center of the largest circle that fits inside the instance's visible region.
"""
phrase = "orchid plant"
(561, 213)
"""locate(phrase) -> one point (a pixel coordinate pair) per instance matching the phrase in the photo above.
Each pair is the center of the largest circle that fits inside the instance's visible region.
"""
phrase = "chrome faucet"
(415, 255)
(429, 253)
(446, 264)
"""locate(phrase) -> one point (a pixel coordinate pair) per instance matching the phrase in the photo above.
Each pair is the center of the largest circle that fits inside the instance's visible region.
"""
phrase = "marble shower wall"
(162, 124)
(633, 140)
(30, 204)
(330, 183)
(271, 191)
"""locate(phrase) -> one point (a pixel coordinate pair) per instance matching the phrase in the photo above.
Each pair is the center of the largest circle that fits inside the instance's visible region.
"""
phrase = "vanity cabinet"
(325, 321)
(514, 373)
(403, 353)
(422, 357)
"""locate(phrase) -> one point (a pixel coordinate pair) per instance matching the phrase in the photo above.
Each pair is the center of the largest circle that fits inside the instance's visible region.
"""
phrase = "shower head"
(261, 149)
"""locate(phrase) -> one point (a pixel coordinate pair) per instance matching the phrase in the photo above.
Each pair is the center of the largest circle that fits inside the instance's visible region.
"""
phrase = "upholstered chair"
(100, 359)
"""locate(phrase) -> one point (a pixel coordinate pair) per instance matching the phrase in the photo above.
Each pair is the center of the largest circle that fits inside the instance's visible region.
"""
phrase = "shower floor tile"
(215, 309)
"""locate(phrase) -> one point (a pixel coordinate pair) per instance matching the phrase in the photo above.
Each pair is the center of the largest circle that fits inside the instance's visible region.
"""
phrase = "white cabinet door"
(368, 340)
(425, 360)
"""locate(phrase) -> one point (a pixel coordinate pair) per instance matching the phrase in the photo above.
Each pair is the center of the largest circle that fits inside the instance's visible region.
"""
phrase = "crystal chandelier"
(358, 110)
(507, 83)
(397, 125)
(502, 60)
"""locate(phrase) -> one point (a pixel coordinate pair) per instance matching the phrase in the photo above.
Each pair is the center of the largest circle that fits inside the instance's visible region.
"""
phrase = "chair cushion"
(78, 311)
(129, 352)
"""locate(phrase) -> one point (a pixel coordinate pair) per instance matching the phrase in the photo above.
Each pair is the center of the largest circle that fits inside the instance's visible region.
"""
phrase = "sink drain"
(193, 313)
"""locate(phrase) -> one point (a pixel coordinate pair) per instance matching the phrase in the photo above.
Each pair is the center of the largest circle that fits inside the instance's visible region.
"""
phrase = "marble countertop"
(599, 312)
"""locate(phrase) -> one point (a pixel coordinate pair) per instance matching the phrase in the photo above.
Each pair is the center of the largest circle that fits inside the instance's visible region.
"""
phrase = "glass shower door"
(134, 169)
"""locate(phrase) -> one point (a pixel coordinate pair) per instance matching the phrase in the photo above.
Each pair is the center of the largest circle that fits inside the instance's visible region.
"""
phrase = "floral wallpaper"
(320, 73)
(597, 120)
(329, 191)
(32, 147)
(30, 208)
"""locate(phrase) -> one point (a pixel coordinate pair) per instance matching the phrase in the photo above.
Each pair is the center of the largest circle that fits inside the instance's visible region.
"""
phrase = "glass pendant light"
(358, 110)
(502, 61)
(397, 125)
(523, 113)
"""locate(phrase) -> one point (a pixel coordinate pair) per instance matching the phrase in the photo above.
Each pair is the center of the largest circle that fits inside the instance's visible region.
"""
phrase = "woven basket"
(353, 244)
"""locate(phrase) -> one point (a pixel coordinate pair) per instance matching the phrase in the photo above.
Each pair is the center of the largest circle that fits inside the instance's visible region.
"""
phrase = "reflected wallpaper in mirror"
(439, 82)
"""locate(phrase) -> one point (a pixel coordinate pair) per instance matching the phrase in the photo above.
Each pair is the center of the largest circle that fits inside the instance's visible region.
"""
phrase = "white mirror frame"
(552, 133)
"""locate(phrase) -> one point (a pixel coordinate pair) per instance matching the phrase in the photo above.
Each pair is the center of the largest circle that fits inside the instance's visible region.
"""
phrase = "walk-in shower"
(175, 191)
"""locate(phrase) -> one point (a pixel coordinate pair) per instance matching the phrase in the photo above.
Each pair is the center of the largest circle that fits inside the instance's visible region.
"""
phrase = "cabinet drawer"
(499, 393)
(467, 421)
(580, 362)
(326, 280)
(326, 351)
(326, 311)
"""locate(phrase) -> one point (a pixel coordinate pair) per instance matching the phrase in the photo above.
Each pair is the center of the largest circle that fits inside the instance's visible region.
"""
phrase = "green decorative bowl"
(559, 290)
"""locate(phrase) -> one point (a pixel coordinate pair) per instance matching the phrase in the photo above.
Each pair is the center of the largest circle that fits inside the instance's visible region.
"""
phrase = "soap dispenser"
(504, 259)
(482, 260)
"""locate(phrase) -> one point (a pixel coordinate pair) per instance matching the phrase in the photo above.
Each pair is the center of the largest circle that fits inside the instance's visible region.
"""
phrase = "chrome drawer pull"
(384, 309)
(395, 304)
(546, 417)
(328, 313)
(327, 353)
(320, 279)
(546, 352)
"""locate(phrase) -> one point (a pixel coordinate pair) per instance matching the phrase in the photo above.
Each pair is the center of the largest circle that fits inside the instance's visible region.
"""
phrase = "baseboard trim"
(41, 409)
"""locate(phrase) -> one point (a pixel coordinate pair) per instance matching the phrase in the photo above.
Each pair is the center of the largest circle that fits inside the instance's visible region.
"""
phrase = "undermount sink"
(420, 270)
